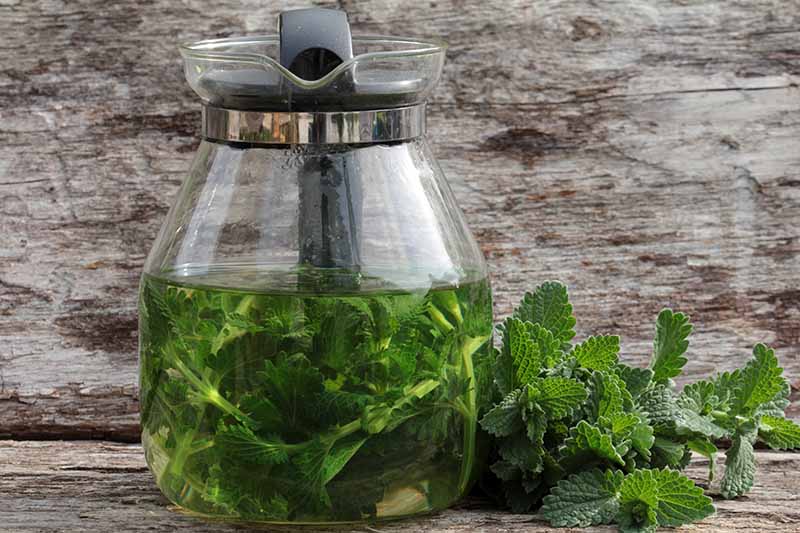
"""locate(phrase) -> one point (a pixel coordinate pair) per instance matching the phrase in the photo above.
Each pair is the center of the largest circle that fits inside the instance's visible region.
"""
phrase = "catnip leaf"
(642, 439)
(778, 404)
(526, 354)
(658, 404)
(700, 396)
(518, 451)
(241, 441)
(725, 385)
(779, 433)
(339, 455)
(585, 499)
(740, 464)
(672, 330)
(585, 441)
(557, 396)
(638, 502)
(667, 413)
(597, 353)
(262, 411)
(631, 522)
(535, 423)
(288, 382)
(607, 395)
(687, 420)
(549, 307)
(759, 381)
(504, 418)
(505, 470)
(310, 463)
(680, 501)
(636, 379)
(667, 452)
(661, 498)
(620, 424)
(403, 362)
(342, 406)
(503, 370)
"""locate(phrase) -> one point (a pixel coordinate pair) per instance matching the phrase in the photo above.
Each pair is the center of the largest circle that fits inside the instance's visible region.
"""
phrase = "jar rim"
(219, 50)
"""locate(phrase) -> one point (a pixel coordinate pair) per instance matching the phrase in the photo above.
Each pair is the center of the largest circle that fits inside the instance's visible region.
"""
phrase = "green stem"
(468, 349)
(343, 431)
(209, 393)
(183, 449)
(439, 319)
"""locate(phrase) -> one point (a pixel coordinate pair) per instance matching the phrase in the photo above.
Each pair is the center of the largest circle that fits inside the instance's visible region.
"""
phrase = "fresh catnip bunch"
(590, 440)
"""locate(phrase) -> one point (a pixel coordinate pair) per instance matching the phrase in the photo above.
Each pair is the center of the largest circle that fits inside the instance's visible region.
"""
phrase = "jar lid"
(313, 65)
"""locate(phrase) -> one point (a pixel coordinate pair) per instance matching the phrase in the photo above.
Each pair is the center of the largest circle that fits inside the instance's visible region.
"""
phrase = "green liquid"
(286, 407)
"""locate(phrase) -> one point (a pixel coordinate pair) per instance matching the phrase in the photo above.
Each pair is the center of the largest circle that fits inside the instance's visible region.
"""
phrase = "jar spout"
(314, 41)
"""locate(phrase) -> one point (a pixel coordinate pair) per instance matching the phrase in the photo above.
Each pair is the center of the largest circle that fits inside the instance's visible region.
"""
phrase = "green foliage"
(586, 443)
(650, 498)
(245, 444)
(639, 501)
(758, 382)
(557, 396)
(306, 408)
(504, 418)
(636, 379)
(740, 464)
(585, 499)
(597, 353)
(672, 330)
(594, 441)
(779, 433)
(549, 307)
(608, 395)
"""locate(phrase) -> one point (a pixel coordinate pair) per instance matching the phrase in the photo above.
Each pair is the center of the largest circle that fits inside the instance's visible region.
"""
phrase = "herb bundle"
(591, 440)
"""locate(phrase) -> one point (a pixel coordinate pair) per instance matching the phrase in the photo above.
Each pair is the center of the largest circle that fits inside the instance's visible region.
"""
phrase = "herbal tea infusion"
(312, 407)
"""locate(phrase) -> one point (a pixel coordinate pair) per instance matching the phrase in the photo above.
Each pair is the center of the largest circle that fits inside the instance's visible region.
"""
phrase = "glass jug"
(315, 316)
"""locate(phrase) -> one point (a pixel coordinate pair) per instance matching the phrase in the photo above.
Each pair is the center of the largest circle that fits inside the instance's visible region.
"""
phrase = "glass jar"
(315, 316)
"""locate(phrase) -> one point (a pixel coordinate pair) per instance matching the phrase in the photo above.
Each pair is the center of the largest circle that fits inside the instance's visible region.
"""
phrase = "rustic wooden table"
(645, 152)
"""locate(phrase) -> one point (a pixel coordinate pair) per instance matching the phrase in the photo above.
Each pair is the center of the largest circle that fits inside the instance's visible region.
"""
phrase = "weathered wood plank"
(646, 152)
(101, 486)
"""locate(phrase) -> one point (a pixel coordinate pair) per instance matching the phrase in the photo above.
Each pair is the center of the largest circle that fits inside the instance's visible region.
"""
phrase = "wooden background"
(645, 152)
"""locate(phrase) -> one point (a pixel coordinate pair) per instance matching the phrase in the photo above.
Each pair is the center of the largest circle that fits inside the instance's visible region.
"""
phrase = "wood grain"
(644, 152)
(101, 486)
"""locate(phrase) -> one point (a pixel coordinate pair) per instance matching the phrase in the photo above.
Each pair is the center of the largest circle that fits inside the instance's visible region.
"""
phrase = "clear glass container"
(315, 316)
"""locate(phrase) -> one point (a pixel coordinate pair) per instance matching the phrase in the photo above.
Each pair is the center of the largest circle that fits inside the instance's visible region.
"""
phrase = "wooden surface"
(645, 152)
(95, 486)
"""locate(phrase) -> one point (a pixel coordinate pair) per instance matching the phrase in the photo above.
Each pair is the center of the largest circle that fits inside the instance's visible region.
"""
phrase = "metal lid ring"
(349, 127)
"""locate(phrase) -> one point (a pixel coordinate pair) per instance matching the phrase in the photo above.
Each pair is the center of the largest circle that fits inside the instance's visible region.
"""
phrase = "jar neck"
(281, 127)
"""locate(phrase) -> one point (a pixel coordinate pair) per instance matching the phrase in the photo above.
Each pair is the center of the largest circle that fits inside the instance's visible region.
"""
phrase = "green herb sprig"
(591, 440)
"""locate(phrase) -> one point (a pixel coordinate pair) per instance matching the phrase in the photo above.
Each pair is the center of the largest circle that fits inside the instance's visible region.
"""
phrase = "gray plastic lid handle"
(314, 41)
